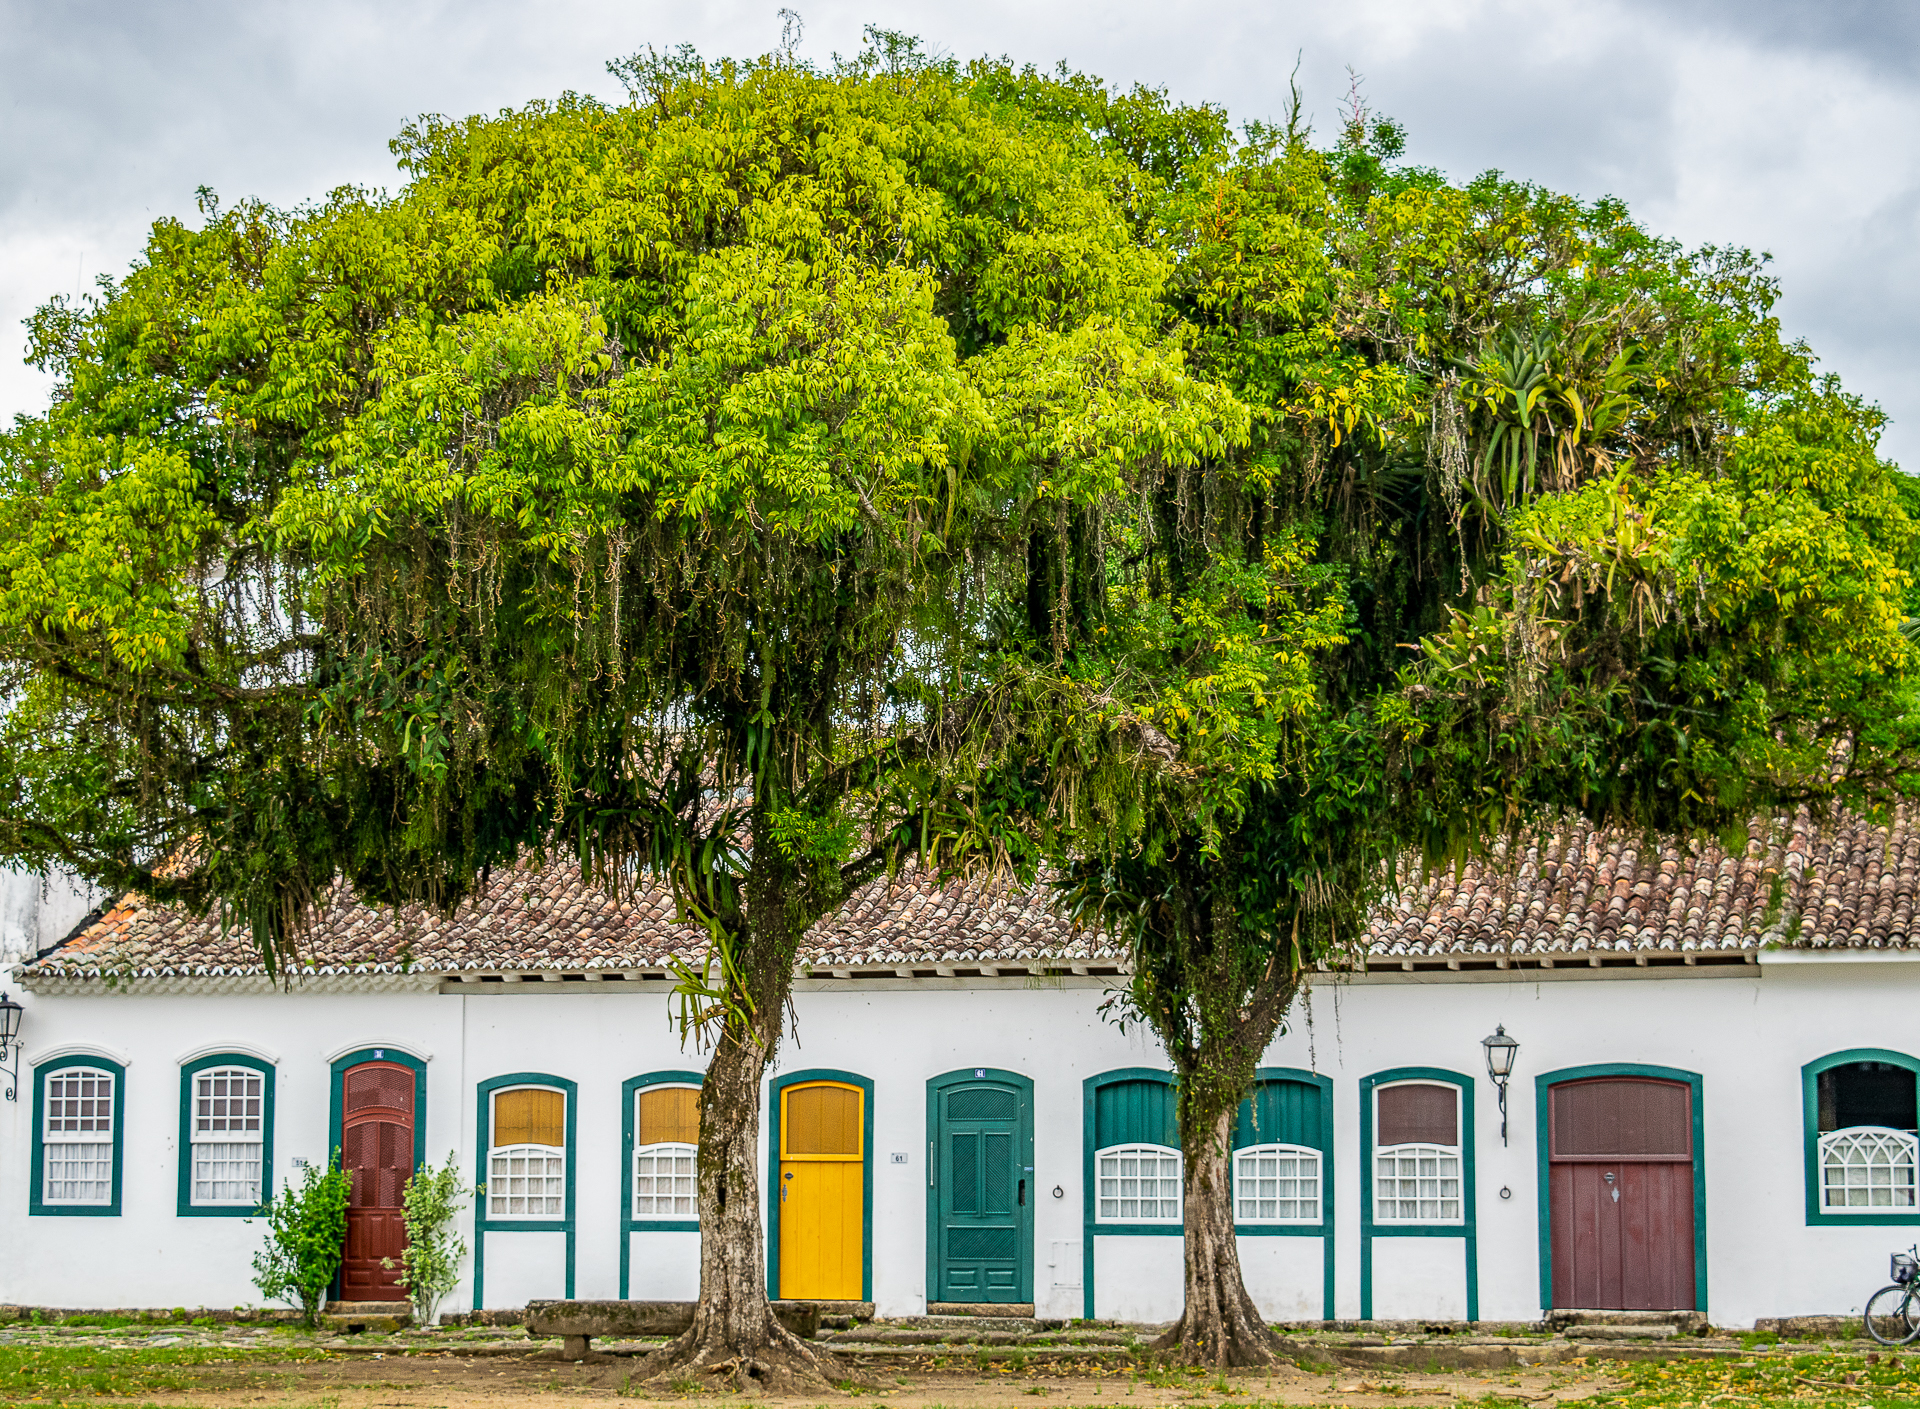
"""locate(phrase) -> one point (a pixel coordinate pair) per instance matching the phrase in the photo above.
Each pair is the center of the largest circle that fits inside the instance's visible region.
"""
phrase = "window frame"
(1466, 1227)
(189, 1074)
(1142, 1147)
(1278, 1148)
(538, 1220)
(1817, 1214)
(485, 1221)
(630, 1092)
(1456, 1151)
(37, 1204)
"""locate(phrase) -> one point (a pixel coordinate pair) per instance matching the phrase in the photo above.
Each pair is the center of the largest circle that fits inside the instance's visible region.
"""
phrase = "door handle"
(930, 1164)
(1023, 1193)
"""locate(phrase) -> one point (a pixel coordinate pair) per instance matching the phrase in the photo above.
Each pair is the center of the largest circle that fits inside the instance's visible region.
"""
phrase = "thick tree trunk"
(734, 1338)
(1233, 1021)
(1219, 1324)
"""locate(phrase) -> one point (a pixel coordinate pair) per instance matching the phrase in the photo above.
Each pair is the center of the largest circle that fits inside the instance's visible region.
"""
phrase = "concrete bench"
(580, 1321)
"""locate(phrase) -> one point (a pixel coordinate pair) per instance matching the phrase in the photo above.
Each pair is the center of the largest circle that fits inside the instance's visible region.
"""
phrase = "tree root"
(1243, 1346)
(784, 1365)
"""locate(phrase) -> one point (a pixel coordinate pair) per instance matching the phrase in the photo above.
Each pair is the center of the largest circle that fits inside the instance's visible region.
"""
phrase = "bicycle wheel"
(1893, 1315)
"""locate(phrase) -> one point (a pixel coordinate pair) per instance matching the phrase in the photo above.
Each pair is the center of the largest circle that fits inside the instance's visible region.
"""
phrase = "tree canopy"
(786, 474)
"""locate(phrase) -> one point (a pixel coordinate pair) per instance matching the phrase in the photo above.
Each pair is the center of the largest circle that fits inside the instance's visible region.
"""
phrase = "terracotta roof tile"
(1576, 889)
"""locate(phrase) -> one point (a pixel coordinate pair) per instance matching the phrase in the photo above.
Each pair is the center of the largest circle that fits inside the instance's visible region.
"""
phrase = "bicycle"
(1893, 1312)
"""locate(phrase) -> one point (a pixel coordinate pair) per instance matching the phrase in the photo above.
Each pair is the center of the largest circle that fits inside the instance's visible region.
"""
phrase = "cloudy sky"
(1785, 125)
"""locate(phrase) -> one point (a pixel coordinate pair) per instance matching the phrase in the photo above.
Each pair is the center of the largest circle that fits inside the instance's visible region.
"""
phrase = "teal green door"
(980, 1194)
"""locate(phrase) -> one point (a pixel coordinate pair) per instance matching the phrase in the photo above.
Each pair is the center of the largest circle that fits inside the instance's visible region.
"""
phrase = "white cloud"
(1768, 123)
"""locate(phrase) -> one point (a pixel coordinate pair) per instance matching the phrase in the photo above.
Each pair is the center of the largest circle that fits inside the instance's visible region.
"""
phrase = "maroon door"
(376, 1150)
(1621, 1194)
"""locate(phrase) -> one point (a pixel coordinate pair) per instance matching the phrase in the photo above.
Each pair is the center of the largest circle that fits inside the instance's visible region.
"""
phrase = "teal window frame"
(1468, 1226)
(1817, 1217)
(1543, 1155)
(630, 1090)
(1324, 1229)
(1090, 1225)
(186, 1207)
(775, 1089)
(483, 1128)
(38, 1207)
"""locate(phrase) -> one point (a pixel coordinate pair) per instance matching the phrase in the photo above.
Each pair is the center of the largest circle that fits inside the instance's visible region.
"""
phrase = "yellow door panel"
(821, 1234)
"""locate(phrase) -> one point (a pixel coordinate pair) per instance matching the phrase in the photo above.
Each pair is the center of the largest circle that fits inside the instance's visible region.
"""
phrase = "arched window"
(665, 1152)
(1416, 1153)
(1138, 1184)
(79, 1121)
(1865, 1146)
(527, 1156)
(1276, 1184)
(226, 1134)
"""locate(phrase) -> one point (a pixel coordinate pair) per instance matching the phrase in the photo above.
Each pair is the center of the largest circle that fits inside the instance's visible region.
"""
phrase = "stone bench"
(580, 1321)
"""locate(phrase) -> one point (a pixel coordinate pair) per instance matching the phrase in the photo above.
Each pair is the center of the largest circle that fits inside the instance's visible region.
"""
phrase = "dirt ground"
(456, 1382)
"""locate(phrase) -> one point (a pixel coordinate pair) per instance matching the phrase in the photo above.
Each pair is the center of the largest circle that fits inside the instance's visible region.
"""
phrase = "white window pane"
(1867, 1167)
(78, 1105)
(78, 1173)
(1417, 1184)
(664, 1181)
(1138, 1184)
(227, 1173)
(527, 1181)
(1277, 1184)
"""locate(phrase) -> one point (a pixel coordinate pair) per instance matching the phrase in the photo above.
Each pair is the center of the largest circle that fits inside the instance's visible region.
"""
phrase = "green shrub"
(306, 1234)
(430, 1263)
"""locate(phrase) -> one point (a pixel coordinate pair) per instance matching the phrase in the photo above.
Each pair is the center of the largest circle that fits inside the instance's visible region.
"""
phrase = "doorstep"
(981, 1308)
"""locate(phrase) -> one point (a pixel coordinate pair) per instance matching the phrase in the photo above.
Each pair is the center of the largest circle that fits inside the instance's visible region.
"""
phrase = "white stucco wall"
(1748, 1035)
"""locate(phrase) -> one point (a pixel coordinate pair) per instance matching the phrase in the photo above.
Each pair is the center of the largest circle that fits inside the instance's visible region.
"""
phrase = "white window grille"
(229, 1129)
(1417, 1184)
(1866, 1167)
(526, 1181)
(77, 1137)
(664, 1181)
(1276, 1184)
(1138, 1184)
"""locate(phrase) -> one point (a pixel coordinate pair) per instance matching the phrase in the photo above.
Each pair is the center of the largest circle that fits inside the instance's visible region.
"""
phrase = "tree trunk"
(734, 1335)
(1219, 1324)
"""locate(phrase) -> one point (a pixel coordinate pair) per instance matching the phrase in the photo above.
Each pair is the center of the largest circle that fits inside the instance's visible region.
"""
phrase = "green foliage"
(429, 1265)
(785, 474)
(306, 1233)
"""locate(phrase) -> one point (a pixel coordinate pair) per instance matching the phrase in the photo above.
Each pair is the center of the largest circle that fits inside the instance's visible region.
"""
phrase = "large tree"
(1536, 515)
(613, 490)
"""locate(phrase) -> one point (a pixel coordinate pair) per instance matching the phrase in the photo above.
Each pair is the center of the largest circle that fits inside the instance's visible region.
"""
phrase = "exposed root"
(784, 1365)
(1241, 1342)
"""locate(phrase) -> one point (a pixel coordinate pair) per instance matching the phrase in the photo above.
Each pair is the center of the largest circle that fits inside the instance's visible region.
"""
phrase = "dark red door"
(1621, 1194)
(376, 1150)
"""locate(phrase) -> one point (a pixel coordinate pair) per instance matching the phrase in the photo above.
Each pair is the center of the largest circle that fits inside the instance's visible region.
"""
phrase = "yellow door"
(822, 1188)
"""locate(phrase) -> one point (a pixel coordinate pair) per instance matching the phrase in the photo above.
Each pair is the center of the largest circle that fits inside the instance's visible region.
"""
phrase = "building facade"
(1712, 1104)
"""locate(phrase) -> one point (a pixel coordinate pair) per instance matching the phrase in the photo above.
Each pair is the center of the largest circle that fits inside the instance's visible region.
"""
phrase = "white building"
(1712, 1104)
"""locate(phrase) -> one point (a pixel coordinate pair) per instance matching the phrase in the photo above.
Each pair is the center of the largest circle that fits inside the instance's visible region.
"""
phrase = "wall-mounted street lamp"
(1500, 1053)
(10, 1045)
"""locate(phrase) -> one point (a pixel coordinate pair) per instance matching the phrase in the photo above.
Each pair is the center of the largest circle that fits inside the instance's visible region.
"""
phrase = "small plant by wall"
(306, 1235)
(430, 1263)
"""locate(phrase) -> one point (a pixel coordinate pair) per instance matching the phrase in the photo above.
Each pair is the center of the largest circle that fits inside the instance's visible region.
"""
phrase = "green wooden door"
(980, 1199)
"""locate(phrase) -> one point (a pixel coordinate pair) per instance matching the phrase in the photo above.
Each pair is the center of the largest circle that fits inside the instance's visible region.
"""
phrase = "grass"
(52, 1373)
(1850, 1380)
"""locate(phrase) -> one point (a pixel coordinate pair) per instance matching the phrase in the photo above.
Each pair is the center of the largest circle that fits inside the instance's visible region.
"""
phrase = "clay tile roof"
(1575, 890)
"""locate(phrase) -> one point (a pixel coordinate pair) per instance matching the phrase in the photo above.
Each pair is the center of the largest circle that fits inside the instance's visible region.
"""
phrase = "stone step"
(981, 1308)
(1622, 1333)
(369, 1308)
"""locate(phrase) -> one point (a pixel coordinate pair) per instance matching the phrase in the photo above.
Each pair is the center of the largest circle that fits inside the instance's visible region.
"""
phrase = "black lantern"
(9, 1044)
(1500, 1053)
